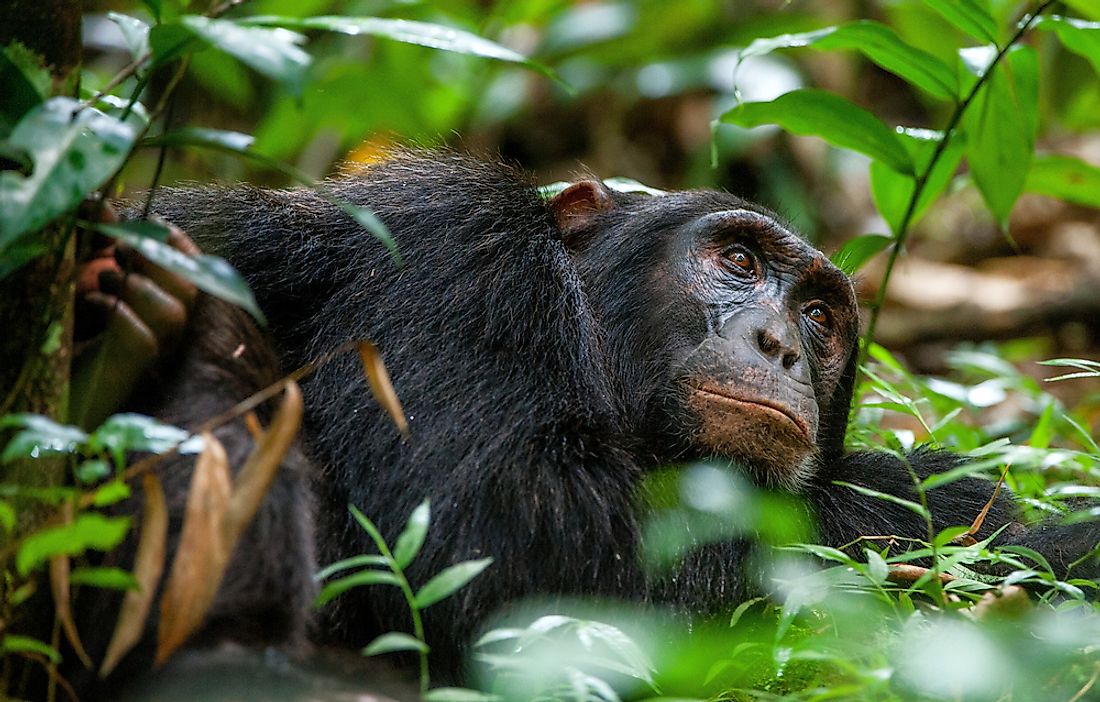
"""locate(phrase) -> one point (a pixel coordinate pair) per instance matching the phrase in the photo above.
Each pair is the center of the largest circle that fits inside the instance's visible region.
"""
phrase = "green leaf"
(971, 16)
(907, 504)
(945, 537)
(110, 578)
(90, 530)
(92, 471)
(137, 432)
(412, 537)
(831, 117)
(1044, 428)
(878, 43)
(1078, 35)
(274, 53)
(1065, 178)
(38, 436)
(211, 274)
(448, 581)
(134, 32)
(856, 252)
(877, 570)
(7, 517)
(435, 36)
(75, 149)
(364, 577)
(14, 643)
(892, 191)
(459, 694)
(373, 559)
(394, 641)
(1001, 126)
(111, 493)
(23, 83)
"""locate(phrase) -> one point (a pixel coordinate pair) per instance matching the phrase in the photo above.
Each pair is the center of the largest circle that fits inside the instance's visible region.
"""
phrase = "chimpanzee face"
(732, 333)
(780, 324)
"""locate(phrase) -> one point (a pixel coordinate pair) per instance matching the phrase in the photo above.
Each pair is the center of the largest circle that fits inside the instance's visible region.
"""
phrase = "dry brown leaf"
(380, 384)
(252, 423)
(60, 568)
(202, 555)
(148, 566)
(258, 472)
(906, 574)
(968, 539)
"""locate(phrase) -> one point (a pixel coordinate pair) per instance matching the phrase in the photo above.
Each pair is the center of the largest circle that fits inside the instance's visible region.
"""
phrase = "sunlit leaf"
(449, 580)
(104, 577)
(136, 432)
(14, 643)
(412, 536)
(75, 149)
(971, 16)
(831, 117)
(1079, 36)
(38, 436)
(459, 694)
(148, 566)
(1001, 126)
(135, 33)
(273, 52)
(880, 44)
(394, 641)
(892, 191)
(435, 36)
(209, 273)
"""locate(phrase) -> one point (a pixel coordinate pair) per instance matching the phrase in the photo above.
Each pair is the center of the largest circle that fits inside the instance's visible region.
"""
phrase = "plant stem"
(922, 181)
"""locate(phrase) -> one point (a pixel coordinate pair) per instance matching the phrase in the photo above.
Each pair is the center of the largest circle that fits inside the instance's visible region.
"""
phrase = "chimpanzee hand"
(129, 314)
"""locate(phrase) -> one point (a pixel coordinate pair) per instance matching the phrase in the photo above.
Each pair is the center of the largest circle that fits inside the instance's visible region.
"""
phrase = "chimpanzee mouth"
(757, 404)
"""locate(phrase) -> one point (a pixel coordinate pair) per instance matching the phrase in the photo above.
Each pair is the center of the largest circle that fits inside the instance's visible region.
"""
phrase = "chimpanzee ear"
(574, 207)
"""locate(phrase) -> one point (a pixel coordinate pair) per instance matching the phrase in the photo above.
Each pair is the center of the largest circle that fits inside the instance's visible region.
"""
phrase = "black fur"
(532, 379)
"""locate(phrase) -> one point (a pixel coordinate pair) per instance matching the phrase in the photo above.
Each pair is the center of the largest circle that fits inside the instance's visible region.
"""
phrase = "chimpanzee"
(549, 353)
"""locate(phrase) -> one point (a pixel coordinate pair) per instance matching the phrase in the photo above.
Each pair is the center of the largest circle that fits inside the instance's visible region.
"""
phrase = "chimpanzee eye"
(742, 260)
(818, 313)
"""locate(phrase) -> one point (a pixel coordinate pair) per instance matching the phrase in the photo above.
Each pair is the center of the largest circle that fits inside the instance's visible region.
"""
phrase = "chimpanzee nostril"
(789, 359)
(767, 343)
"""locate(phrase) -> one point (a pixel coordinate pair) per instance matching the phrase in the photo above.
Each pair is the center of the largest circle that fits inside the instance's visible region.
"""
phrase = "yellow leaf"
(380, 384)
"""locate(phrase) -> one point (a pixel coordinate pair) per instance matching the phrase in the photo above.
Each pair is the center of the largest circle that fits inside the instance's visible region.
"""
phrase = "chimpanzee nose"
(776, 342)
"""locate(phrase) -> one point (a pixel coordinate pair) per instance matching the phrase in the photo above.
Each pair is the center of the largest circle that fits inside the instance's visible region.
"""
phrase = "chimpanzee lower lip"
(774, 407)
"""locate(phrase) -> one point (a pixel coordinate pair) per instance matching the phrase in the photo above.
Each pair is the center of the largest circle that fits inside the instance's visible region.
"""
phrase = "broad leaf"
(38, 436)
(412, 537)
(834, 119)
(134, 32)
(856, 252)
(1079, 36)
(1001, 126)
(892, 191)
(137, 432)
(23, 83)
(90, 530)
(273, 52)
(971, 16)
(880, 44)
(75, 149)
(435, 36)
(448, 581)
(1065, 178)
(394, 641)
(209, 273)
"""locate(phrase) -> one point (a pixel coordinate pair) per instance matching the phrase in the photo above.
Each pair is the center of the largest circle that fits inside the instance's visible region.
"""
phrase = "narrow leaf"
(394, 641)
(412, 537)
(209, 273)
(14, 643)
(260, 468)
(1079, 36)
(380, 384)
(202, 555)
(435, 36)
(1001, 126)
(371, 559)
(104, 577)
(148, 567)
(364, 577)
(971, 16)
(834, 119)
(892, 191)
(90, 530)
(907, 504)
(134, 32)
(459, 694)
(448, 581)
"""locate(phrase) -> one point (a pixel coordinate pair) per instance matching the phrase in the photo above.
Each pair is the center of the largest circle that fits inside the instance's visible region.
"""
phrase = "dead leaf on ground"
(148, 567)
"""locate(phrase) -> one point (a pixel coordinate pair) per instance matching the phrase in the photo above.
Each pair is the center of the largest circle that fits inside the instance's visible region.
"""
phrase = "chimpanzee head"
(725, 333)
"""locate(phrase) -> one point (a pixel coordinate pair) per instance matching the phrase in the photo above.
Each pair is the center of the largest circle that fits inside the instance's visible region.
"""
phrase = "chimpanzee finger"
(164, 314)
(176, 285)
(88, 278)
(127, 337)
